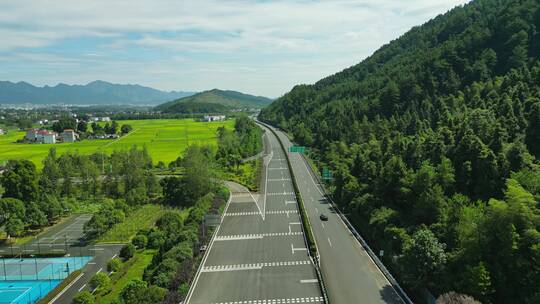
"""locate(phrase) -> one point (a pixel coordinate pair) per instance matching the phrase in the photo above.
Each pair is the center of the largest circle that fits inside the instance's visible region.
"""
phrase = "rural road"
(258, 253)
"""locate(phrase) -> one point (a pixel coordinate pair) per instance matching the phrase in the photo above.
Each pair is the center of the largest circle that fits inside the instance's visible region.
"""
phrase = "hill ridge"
(93, 93)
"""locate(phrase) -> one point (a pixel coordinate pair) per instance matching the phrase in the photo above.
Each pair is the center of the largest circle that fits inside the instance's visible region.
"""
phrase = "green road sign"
(326, 174)
(297, 149)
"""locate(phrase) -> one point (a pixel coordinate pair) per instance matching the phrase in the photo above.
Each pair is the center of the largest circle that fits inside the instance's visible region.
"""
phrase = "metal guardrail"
(360, 239)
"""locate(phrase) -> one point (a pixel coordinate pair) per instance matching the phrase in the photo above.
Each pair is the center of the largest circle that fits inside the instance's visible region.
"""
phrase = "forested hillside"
(434, 143)
(214, 101)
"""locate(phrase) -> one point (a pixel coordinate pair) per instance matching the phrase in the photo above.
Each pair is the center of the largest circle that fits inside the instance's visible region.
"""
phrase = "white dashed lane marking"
(255, 266)
(280, 193)
(254, 236)
(277, 301)
(257, 213)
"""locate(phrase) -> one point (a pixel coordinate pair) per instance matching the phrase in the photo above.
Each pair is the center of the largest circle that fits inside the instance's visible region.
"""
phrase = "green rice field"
(165, 139)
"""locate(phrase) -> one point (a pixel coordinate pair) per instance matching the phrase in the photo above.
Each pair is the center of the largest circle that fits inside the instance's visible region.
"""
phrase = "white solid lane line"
(82, 287)
(65, 289)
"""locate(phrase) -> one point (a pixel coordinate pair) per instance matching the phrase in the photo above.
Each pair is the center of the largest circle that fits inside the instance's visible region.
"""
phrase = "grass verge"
(131, 270)
(247, 174)
(142, 218)
(70, 278)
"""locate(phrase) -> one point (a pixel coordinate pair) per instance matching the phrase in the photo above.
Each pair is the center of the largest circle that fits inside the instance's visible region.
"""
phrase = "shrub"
(137, 197)
(127, 251)
(114, 265)
(138, 291)
(140, 241)
(100, 280)
(156, 239)
(84, 297)
(180, 252)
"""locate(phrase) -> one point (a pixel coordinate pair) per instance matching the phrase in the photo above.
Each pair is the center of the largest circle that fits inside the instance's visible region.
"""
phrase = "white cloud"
(251, 38)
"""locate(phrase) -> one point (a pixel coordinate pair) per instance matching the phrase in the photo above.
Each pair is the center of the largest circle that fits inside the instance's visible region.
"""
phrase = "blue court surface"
(26, 281)
(25, 292)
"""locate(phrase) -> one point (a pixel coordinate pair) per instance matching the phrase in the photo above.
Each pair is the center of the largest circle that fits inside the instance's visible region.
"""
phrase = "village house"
(214, 118)
(2, 132)
(69, 135)
(40, 136)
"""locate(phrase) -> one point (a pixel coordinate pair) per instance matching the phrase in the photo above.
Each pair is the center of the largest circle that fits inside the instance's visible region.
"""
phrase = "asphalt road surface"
(349, 274)
(103, 254)
(258, 254)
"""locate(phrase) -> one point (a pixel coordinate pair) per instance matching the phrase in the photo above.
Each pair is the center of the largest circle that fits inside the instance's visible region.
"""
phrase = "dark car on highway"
(323, 217)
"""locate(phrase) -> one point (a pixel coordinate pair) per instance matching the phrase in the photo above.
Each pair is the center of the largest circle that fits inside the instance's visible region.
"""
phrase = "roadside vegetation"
(247, 174)
(132, 269)
(168, 252)
(244, 141)
(433, 143)
(159, 220)
(142, 218)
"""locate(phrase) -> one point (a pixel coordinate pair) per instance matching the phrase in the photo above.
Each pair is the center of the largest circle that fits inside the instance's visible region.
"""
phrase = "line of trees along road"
(434, 142)
(119, 182)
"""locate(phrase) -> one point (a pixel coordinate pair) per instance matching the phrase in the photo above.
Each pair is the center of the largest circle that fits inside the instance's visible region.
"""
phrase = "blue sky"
(258, 47)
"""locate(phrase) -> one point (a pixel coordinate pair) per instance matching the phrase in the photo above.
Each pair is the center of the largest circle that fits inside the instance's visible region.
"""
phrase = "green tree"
(20, 180)
(14, 226)
(477, 281)
(137, 196)
(64, 123)
(11, 208)
(100, 281)
(34, 217)
(84, 297)
(423, 257)
(532, 138)
(138, 292)
(127, 251)
(82, 126)
(125, 129)
(139, 241)
(50, 174)
(114, 265)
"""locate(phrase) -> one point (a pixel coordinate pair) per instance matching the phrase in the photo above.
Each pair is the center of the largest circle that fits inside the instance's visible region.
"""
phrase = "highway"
(350, 275)
(258, 254)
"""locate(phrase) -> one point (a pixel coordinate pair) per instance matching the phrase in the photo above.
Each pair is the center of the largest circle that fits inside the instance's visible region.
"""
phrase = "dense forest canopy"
(434, 143)
(214, 101)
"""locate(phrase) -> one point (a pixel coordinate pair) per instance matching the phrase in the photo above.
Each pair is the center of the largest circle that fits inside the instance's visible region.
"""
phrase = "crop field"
(165, 139)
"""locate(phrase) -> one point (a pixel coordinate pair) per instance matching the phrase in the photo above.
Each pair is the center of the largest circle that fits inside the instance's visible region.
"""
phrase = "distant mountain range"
(214, 101)
(94, 93)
